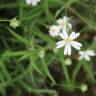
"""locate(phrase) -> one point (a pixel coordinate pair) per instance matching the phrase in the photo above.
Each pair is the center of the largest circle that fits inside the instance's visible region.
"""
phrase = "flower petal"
(81, 53)
(76, 45)
(28, 1)
(74, 35)
(90, 52)
(69, 48)
(65, 18)
(65, 50)
(87, 57)
(63, 35)
(69, 25)
(59, 21)
(60, 44)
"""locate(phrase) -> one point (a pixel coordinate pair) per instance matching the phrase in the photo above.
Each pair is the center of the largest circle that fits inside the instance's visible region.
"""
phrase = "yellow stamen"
(68, 40)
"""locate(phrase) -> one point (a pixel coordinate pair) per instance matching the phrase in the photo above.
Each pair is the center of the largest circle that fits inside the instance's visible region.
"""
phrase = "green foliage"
(22, 68)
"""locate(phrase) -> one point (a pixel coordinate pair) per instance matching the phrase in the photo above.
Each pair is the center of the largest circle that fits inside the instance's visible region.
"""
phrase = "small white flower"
(64, 23)
(68, 41)
(33, 2)
(86, 54)
(54, 30)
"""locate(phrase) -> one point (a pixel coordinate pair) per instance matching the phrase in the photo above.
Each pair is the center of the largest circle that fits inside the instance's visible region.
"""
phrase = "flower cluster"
(32, 2)
(62, 26)
(63, 29)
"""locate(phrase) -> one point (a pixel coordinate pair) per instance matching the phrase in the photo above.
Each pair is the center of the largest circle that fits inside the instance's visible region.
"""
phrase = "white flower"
(54, 30)
(64, 23)
(33, 2)
(86, 54)
(68, 41)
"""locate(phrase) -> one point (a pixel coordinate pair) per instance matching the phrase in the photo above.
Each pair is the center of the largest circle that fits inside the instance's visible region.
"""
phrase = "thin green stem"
(65, 70)
(4, 20)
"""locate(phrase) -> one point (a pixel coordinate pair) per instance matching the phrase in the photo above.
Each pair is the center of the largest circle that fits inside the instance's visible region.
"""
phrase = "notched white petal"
(60, 44)
(63, 35)
(76, 45)
(74, 35)
(65, 50)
